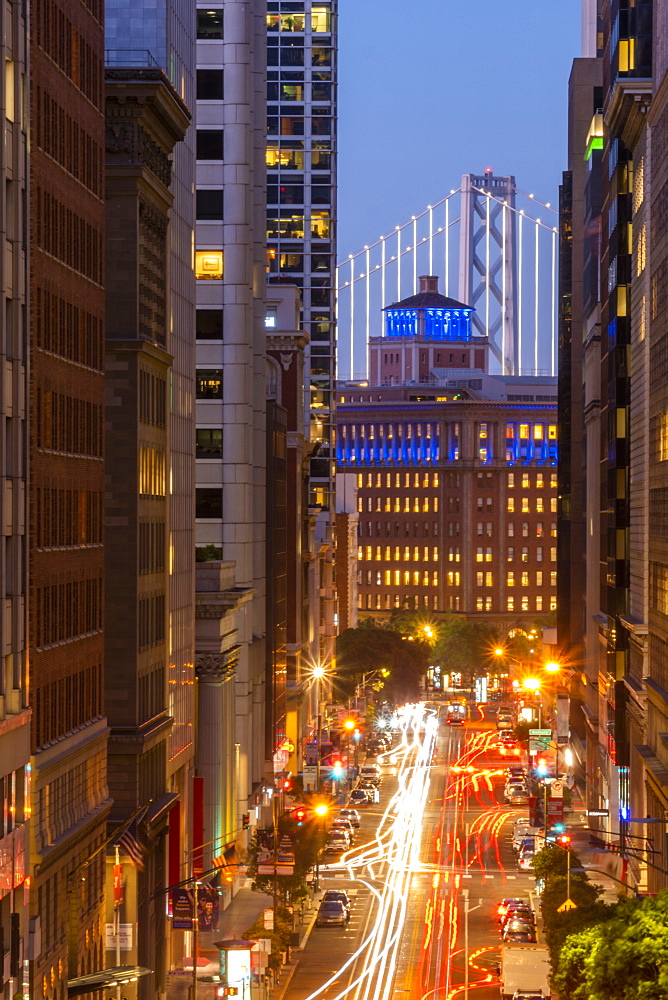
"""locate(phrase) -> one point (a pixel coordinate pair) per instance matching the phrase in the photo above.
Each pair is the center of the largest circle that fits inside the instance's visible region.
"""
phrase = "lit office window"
(525, 481)
(553, 554)
(553, 578)
(510, 553)
(539, 578)
(208, 264)
(510, 603)
(553, 505)
(553, 604)
(539, 604)
(525, 505)
(511, 480)
(510, 505)
(510, 580)
(539, 480)
(540, 506)
(525, 604)
(525, 579)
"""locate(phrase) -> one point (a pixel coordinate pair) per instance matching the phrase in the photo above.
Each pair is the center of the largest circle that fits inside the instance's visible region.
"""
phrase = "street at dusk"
(334, 495)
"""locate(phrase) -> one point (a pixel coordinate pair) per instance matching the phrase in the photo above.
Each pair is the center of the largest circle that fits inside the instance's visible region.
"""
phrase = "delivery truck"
(525, 969)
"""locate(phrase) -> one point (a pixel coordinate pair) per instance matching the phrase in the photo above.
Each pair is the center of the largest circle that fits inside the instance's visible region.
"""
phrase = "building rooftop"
(428, 297)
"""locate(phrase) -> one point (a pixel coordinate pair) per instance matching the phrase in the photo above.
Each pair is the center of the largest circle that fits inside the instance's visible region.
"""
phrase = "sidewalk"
(243, 911)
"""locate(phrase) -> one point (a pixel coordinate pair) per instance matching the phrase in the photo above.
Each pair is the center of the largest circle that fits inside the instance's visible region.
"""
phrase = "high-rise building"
(145, 120)
(69, 793)
(14, 713)
(301, 234)
(144, 33)
(231, 362)
(456, 471)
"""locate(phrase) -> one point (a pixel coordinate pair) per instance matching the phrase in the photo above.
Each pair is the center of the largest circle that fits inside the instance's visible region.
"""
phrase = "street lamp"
(552, 667)
(317, 673)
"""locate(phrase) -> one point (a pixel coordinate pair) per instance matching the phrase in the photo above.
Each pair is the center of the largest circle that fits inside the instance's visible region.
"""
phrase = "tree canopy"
(375, 647)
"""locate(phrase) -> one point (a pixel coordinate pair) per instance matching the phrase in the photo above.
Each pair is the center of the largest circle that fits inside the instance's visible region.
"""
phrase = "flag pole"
(118, 895)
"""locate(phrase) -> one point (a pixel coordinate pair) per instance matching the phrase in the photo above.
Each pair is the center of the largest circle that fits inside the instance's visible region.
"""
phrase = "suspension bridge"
(493, 247)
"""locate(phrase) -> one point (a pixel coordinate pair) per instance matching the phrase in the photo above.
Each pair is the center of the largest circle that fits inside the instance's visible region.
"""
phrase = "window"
(539, 480)
(525, 579)
(209, 204)
(553, 480)
(553, 604)
(510, 554)
(320, 20)
(539, 553)
(209, 143)
(209, 24)
(525, 505)
(510, 603)
(480, 529)
(540, 507)
(553, 578)
(511, 480)
(208, 502)
(525, 529)
(540, 529)
(510, 505)
(539, 604)
(488, 555)
(510, 580)
(480, 557)
(511, 529)
(553, 505)
(480, 579)
(525, 604)
(209, 383)
(553, 530)
(209, 324)
(539, 578)
(208, 264)
(489, 531)
(553, 554)
(209, 84)
(525, 554)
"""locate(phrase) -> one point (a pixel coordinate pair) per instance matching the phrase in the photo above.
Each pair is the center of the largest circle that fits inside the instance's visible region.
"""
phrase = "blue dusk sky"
(431, 89)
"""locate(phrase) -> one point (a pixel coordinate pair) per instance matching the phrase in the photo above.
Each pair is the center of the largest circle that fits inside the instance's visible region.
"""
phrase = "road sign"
(557, 789)
(539, 740)
(598, 812)
(268, 919)
(568, 905)
(125, 936)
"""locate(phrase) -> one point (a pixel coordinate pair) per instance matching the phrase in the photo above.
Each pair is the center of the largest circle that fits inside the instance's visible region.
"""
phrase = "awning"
(117, 976)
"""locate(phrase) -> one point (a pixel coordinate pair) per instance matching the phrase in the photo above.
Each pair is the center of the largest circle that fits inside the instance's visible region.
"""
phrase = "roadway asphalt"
(429, 960)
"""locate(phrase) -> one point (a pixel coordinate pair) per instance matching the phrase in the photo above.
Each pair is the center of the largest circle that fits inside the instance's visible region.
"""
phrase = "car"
(331, 912)
(518, 912)
(358, 797)
(502, 908)
(506, 735)
(351, 815)
(519, 927)
(516, 772)
(525, 859)
(504, 721)
(516, 795)
(336, 845)
(528, 995)
(340, 896)
(371, 772)
(337, 829)
(521, 831)
(341, 823)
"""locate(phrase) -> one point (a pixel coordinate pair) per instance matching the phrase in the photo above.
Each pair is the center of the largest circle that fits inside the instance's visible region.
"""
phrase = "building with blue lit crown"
(455, 470)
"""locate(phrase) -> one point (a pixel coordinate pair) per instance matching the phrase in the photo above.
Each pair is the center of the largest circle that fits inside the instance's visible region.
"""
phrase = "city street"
(439, 835)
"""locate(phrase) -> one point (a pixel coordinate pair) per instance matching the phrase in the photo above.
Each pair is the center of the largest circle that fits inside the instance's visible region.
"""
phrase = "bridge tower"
(487, 263)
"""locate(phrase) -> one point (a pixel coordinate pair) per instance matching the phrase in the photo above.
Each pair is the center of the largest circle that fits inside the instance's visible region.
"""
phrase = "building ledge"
(657, 689)
(634, 685)
(657, 770)
(633, 624)
(627, 107)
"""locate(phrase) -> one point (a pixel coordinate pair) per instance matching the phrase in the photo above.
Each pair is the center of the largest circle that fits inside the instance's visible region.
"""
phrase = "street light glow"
(553, 667)
(532, 684)
(318, 673)
(321, 810)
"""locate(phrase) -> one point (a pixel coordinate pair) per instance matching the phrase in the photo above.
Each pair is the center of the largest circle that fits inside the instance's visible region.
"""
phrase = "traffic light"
(300, 815)
(227, 991)
(286, 784)
(541, 767)
(337, 769)
(564, 841)
(245, 821)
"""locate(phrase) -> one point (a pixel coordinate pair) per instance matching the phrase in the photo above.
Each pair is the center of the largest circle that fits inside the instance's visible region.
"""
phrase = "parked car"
(517, 912)
(338, 895)
(525, 859)
(331, 912)
(352, 815)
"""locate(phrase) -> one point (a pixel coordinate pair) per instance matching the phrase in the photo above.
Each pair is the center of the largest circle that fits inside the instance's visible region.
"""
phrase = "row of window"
(416, 553)
(289, 154)
(386, 480)
(320, 21)
(66, 611)
(379, 602)
(397, 529)
(399, 505)
(524, 505)
(67, 517)
(528, 479)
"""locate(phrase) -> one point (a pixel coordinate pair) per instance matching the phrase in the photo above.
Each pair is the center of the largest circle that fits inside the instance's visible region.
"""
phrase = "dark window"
(321, 194)
(209, 383)
(209, 84)
(209, 144)
(208, 502)
(209, 324)
(209, 24)
(209, 204)
(209, 442)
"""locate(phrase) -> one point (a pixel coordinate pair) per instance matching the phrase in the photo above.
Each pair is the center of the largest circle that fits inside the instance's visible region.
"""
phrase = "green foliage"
(521, 731)
(208, 553)
(371, 647)
(279, 937)
(623, 958)
(464, 646)
(308, 841)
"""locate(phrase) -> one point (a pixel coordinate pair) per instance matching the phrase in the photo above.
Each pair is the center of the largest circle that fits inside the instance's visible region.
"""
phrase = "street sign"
(268, 919)
(539, 740)
(125, 936)
(182, 909)
(568, 905)
(598, 812)
(557, 789)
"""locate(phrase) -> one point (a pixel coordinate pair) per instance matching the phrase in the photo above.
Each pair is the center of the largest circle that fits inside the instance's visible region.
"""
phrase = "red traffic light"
(286, 784)
(564, 840)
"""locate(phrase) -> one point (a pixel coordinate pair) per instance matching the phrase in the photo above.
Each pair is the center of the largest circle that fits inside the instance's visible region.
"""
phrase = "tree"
(623, 958)
(307, 841)
(371, 647)
(464, 646)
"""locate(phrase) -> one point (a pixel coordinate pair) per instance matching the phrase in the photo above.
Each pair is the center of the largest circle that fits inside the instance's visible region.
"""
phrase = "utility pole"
(195, 936)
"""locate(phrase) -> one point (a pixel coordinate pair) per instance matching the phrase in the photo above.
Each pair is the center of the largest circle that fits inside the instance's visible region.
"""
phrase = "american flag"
(128, 842)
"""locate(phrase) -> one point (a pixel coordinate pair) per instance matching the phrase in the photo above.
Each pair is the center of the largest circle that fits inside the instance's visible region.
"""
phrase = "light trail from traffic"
(396, 848)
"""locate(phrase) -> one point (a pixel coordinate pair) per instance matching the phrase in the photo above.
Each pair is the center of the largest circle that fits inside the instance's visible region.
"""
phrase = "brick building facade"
(66, 565)
(456, 472)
